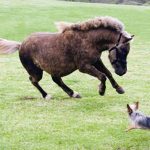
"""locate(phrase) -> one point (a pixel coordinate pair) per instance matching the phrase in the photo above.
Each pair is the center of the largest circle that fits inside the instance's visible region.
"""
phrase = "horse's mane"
(98, 22)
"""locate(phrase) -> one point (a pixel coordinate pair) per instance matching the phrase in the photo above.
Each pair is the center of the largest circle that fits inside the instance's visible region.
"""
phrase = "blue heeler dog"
(138, 120)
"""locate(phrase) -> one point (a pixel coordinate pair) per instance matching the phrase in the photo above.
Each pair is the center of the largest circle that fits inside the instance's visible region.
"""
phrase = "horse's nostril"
(124, 72)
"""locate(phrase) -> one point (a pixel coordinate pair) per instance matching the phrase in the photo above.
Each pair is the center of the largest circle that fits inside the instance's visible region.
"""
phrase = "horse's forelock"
(127, 37)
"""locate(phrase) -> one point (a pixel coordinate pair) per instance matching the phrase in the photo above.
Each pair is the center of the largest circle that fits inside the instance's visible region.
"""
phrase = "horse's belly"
(62, 71)
(57, 68)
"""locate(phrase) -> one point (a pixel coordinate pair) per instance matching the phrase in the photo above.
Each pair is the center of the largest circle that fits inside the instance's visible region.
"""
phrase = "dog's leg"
(131, 127)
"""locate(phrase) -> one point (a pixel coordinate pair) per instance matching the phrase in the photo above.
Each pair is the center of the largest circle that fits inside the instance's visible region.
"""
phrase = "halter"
(116, 48)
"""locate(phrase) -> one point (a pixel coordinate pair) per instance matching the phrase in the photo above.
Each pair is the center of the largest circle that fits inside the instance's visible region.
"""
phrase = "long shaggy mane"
(98, 22)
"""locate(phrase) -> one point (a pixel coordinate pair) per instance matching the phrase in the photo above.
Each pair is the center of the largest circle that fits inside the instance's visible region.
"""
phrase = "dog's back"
(140, 120)
(145, 122)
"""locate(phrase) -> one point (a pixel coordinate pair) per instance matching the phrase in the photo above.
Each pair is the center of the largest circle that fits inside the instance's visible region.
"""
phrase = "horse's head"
(118, 54)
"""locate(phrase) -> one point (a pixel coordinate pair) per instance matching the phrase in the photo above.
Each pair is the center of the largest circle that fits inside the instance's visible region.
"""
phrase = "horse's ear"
(128, 39)
(132, 36)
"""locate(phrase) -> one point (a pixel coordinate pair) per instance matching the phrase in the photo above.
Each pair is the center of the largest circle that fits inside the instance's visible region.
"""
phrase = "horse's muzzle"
(121, 72)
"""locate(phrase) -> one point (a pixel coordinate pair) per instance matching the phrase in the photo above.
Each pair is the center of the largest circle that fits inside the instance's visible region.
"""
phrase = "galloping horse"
(75, 46)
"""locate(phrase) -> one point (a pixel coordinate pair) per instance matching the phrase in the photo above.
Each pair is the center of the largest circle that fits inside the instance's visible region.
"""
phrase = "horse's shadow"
(28, 98)
(32, 98)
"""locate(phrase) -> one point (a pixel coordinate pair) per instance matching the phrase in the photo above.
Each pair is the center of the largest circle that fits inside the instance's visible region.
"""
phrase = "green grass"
(92, 123)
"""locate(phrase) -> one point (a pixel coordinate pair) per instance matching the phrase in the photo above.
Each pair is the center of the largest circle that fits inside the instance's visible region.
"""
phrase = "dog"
(138, 120)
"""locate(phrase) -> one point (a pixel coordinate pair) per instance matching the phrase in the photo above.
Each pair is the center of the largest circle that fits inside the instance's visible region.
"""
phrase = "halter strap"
(119, 39)
(118, 42)
(116, 48)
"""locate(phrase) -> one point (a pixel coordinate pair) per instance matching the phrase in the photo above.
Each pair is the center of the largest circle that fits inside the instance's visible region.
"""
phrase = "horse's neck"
(103, 39)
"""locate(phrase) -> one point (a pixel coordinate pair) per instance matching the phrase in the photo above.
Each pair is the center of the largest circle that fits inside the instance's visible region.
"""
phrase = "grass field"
(27, 122)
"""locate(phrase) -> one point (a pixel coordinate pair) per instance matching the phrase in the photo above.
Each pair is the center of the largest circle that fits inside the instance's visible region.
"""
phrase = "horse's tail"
(8, 47)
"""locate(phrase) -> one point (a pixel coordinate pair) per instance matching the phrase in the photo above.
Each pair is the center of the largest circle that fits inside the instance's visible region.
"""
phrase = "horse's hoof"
(120, 90)
(76, 95)
(47, 97)
(102, 93)
(102, 89)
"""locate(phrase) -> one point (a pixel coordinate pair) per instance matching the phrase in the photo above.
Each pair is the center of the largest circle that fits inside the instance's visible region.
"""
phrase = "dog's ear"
(129, 109)
(136, 105)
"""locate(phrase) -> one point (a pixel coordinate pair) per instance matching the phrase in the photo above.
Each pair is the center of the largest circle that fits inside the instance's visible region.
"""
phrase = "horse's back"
(48, 52)
(38, 38)
(36, 44)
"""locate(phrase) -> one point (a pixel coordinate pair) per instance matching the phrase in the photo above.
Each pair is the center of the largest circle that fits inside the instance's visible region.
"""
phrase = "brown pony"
(75, 46)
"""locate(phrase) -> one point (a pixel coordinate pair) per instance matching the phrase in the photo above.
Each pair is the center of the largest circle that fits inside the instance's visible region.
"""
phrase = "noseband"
(116, 49)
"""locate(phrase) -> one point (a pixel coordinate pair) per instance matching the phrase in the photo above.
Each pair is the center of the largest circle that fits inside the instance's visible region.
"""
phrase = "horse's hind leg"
(34, 80)
(35, 75)
(69, 91)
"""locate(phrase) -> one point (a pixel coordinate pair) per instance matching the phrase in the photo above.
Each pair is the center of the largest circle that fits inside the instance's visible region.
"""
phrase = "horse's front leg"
(101, 67)
(92, 70)
(69, 91)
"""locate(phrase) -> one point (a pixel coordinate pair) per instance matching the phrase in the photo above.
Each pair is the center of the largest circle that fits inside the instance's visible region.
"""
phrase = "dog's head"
(132, 108)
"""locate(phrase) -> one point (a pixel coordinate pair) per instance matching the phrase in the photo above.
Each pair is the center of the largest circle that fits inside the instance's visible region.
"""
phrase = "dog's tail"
(8, 47)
